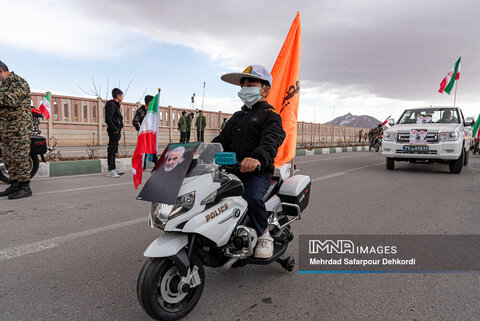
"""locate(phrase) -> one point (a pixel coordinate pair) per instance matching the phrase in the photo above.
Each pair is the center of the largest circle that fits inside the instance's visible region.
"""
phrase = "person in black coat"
(254, 134)
(114, 120)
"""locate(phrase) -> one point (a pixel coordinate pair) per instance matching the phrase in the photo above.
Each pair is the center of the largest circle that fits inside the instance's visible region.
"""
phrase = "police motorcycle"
(38, 146)
(208, 226)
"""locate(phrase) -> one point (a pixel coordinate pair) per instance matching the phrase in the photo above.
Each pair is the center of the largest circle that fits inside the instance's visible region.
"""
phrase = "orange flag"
(285, 92)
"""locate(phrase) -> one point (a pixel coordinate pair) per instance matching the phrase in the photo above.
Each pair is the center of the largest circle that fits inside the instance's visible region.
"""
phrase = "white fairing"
(203, 186)
(294, 185)
(283, 171)
(218, 222)
(166, 245)
(272, 203)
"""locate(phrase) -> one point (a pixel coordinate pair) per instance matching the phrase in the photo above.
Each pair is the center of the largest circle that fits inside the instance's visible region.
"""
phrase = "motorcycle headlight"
(389, 136)
(449, 136)
(161, 213)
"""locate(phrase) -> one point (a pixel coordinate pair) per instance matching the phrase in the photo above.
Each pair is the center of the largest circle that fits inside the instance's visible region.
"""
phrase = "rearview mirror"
(469, 121)
(391, 122)
(225, 158)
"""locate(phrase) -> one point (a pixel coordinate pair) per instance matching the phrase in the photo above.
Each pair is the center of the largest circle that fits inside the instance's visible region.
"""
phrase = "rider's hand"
(249, 165)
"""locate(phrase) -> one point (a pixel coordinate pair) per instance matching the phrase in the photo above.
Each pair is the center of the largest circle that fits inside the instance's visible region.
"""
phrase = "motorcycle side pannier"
(38, 144)
(295, 190)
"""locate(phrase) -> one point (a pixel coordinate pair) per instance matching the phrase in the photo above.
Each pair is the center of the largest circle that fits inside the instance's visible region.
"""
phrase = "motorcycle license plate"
(415, 148)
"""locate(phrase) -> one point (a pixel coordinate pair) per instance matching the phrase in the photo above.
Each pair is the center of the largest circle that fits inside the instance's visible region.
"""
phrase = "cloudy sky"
(362, 57)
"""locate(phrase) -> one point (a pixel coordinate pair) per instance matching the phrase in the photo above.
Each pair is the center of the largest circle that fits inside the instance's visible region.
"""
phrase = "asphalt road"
(73, 251)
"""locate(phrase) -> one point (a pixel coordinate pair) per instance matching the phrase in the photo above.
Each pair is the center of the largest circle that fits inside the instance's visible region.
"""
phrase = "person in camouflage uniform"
(16, 126)
(182, 127)
(189, 120)
(201, 124)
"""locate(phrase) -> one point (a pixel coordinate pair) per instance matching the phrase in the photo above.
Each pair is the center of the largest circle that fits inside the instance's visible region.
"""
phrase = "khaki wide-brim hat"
(254, 71)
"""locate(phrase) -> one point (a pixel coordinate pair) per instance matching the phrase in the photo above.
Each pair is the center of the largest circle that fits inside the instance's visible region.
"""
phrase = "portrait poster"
(167, 176)
(418, 137)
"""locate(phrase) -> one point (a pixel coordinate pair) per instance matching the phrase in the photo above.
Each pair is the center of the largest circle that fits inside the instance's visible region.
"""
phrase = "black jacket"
(139, 116)
(113, 116)
(256, 133)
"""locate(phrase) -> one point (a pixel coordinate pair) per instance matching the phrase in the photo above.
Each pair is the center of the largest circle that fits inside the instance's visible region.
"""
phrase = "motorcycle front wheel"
(33, 164)
(157, 289)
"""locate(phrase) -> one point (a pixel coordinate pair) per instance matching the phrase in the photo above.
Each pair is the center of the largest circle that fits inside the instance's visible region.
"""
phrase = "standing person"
(254, 134)
(137, 122)
(182, 127)
(114, 120)
(189, 120)
(16, 126)
(201, 124)
(141, 112)
(223, 124)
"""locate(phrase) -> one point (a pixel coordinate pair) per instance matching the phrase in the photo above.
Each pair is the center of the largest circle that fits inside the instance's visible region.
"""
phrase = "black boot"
(11, 189)
(22, 191)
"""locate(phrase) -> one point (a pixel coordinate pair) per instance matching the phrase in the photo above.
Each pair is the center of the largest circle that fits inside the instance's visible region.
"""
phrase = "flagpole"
(203, 98)
(158, 115)
(455, 96)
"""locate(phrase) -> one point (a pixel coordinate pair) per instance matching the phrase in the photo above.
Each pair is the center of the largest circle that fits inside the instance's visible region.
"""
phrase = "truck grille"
(405, 137)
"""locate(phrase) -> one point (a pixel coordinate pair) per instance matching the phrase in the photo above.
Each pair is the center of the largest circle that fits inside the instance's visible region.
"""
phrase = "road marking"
(342, 172)
(35, 247)
(326, 159)
(82, 188)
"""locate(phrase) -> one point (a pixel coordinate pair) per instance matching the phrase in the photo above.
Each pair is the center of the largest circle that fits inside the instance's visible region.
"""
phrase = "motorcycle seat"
(272, 189)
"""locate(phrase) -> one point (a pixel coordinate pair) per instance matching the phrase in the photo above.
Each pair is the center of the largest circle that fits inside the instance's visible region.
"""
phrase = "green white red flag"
(147, 141)
(386, 120)
(45, 106)
(454, 74)
(475, 131)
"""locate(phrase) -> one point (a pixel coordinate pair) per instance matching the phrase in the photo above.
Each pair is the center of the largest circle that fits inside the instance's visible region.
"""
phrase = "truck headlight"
(389, 136)
(161, 213)
(449, 136)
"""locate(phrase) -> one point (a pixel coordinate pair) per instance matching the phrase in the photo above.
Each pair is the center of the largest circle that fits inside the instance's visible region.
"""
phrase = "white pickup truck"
(429, 134)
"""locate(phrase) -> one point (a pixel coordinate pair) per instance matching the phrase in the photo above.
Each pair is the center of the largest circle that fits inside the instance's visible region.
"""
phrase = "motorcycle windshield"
(204, 159)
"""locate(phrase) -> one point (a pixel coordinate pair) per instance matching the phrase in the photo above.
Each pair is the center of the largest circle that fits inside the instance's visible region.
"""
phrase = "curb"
(330, 150)
(94, 166)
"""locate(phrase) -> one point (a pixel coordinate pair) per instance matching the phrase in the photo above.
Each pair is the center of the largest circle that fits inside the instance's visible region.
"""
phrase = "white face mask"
(250, 95)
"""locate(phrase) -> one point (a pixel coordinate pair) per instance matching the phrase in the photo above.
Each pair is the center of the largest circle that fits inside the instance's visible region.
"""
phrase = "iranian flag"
(475, 131)
(147, 140)
(447, 83)
(386, 120)
(45, 106)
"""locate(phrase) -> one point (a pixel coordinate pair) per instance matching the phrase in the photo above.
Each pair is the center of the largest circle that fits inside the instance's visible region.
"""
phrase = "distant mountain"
(350, 120)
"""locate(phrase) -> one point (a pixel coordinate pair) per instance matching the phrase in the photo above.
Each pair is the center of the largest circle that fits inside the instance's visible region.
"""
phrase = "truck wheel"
(390, 163)
(456, 165)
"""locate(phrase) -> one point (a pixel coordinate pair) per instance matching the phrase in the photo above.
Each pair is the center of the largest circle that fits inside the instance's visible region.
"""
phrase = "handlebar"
(237, 167)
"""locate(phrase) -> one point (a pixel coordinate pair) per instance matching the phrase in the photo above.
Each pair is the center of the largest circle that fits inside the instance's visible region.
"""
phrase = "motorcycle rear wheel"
(33, 161)
(156, 290)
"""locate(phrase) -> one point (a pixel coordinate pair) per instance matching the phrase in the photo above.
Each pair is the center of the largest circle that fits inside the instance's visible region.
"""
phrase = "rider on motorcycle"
(377, 132)
(254, 134)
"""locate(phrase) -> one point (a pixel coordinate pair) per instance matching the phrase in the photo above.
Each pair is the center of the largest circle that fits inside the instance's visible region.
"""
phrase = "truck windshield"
(429, 115)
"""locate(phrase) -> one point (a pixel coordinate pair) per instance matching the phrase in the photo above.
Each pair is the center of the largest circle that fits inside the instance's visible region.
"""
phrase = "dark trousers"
(112, 148)
(200, 136)
(183, 137)
(255, 188)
